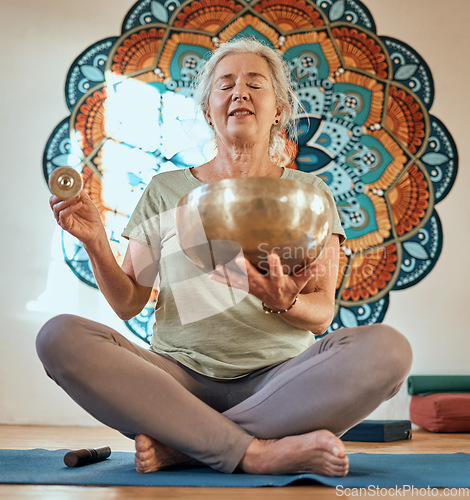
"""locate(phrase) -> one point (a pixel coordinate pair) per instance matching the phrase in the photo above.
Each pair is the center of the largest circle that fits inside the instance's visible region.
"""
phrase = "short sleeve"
(337, 227)
(144, 223)
(309, 178)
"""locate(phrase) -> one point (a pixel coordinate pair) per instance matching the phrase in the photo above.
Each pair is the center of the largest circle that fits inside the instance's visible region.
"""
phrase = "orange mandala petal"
(361, 51)
(90, 121)
(370, 273)
(405, 119)
(137, 52)
(409, 200)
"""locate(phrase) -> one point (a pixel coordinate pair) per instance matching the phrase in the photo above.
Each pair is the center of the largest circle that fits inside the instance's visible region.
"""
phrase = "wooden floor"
(26, 437)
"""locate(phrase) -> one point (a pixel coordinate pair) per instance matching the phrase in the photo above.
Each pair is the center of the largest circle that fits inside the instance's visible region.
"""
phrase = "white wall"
(40, 40)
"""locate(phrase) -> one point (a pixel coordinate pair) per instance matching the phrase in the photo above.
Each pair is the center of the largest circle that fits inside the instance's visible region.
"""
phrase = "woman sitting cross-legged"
(234, 387)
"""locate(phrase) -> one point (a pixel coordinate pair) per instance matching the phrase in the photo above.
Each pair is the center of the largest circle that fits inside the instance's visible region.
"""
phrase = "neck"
(242, 160)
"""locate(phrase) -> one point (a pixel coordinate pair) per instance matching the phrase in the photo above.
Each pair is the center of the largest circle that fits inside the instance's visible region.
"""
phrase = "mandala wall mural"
(365, 128)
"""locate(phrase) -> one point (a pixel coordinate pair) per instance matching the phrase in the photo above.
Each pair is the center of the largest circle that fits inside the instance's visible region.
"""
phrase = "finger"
(53, 200)
(239, 271)
(57, 204)
(241, 265)
(249, 272)
(230, 277)
(275, 266)
(70, 210)
(302, 277)
(65, 218)
(56, 199)
(65, 205)
(217, 274)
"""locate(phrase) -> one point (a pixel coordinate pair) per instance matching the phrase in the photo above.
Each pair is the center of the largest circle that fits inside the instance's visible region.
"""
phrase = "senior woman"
(232, 388)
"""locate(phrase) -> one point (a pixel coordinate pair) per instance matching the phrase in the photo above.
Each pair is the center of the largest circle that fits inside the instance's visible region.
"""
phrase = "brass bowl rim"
(252, 181)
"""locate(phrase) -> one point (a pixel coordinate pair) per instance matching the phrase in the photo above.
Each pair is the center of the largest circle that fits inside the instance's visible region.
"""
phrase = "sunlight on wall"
(65, 294)
(145, 129)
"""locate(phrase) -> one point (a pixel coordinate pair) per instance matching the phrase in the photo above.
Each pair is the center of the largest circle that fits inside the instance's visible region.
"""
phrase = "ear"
(208, 118)
(277, 116)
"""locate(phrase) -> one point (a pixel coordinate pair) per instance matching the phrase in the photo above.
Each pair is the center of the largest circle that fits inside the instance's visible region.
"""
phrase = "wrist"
(96, 244)
(269, 310)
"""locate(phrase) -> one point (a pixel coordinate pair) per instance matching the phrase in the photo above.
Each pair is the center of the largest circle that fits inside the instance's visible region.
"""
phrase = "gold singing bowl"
(65, 182)
(254, 215)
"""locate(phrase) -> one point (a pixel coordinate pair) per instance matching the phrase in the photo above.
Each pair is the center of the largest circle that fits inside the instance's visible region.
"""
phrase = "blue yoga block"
(379, 431)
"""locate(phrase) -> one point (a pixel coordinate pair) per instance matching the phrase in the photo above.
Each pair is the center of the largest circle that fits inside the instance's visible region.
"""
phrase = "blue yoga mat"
(40, 466)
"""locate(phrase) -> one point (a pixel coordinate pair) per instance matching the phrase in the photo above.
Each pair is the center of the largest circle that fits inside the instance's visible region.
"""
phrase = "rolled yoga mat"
(430, 384)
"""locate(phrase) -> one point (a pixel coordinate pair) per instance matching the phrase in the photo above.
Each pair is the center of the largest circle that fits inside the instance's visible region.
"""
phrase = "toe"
(337, 467)
(144, 466)
(142, 443)
(326, 440)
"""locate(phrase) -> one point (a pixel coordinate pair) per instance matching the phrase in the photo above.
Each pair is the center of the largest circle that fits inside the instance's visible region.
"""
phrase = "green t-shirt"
(213, 329)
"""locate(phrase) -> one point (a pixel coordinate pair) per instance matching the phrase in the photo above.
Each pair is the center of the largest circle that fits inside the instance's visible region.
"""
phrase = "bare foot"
(151, 455)
(317, 452)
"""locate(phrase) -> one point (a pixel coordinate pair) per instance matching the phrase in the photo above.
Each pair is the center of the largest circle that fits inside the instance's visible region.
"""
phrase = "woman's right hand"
(79, 217)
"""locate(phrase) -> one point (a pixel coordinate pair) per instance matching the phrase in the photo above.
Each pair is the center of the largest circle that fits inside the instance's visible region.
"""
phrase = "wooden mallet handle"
(78, 458)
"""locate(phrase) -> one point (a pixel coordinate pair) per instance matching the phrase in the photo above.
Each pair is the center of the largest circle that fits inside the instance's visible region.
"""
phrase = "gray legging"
(332, 385)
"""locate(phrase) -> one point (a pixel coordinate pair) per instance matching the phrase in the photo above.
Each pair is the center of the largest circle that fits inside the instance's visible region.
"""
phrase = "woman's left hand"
(276, 289)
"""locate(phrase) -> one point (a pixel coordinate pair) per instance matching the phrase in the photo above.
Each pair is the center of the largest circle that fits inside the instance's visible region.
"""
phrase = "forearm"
(121, 292)
(312, 311)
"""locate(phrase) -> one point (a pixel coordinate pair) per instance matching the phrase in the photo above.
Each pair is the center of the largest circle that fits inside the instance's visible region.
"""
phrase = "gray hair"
(286, 98)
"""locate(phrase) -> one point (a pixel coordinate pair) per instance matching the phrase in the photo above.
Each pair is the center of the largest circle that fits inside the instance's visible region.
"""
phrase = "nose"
(240, 95)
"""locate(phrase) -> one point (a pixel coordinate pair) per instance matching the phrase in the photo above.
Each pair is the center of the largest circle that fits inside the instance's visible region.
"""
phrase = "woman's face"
(242, 104)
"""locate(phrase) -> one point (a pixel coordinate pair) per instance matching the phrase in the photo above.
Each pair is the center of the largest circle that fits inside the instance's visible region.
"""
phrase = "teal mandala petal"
(366, 314)
(148, 12)
(420, 254)
(142, 324)
(58, 144)
(410, 69)
(77, 259)
(87, 71)
(349, 11)
(441, 159)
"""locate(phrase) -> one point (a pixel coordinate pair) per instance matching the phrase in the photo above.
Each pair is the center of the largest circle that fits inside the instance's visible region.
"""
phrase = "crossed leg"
(272, 431)
(289, 402)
